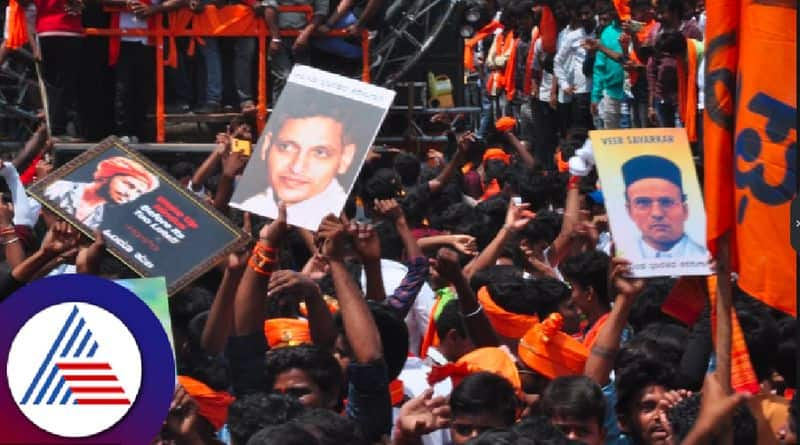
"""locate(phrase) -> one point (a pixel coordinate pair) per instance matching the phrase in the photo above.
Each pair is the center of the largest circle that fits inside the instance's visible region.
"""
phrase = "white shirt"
(568, 63)
(128, 20)
(417, 318)
(561, 40)
(415, 381)
(701, 83)
(307, 214)
(685, 248)
(546, 85)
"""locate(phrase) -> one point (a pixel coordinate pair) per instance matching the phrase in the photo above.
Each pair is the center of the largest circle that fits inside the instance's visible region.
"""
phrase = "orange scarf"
(489, 359)
(504, 44)
(507, 324)
(528, 86)
(623, 9)
(115, 42)
(509, 78)
(213, 405)
(591, 336)
(469, 44)
(687, 90)
(549, 30)
(17, 26)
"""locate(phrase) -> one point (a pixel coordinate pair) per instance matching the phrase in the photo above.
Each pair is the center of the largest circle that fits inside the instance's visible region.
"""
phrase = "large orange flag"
(750, 141)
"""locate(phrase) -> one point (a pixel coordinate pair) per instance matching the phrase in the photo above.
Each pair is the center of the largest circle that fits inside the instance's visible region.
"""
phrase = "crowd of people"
(467, 294)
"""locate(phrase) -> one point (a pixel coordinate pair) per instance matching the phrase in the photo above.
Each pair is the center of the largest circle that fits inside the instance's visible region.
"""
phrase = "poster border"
(37, 192)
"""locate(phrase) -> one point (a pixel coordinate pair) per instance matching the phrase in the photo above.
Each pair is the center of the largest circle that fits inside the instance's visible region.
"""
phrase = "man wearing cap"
(657, 205)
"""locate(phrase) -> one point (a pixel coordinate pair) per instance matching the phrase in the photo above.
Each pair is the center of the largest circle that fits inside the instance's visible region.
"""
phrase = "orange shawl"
(507, 324)
(528, 86)
(469, 44)
(17, 27)
(687, 90)
(213, 405)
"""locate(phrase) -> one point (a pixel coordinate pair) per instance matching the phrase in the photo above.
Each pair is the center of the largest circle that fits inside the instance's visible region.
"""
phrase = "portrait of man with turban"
(116, 181)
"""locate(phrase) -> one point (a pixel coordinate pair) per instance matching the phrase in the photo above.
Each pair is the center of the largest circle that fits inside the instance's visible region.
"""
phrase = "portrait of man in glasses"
(656, 203)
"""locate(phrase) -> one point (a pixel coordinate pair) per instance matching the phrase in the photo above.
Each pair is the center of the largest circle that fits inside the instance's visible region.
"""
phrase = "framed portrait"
(152, 224)
(653, 199)
(313, 147)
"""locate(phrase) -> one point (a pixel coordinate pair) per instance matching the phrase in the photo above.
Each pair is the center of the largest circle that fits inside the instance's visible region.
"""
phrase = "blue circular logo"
(87, 361)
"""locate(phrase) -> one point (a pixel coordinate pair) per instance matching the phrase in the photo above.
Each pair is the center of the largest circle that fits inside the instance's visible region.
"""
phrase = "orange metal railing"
(260, 31)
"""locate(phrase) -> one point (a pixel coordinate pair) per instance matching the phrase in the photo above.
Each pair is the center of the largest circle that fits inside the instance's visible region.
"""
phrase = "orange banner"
(751, 141)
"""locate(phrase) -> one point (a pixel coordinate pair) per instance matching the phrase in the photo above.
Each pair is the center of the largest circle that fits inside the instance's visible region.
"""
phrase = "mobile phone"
(241, 146)
(517, 200)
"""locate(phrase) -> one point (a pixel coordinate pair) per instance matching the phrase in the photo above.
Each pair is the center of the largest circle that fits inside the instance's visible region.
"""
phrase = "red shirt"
(51, 16)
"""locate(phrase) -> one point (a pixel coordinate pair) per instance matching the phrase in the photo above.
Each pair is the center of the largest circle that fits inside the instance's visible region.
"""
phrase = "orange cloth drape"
(623, 9)
(548, 30)
(17, 26)
(528, 86)
(687, 90)
(213, 20)
(591, 336)
(750, 141)
(212, 405)
(508, 76)
(469, 44)
(504, 43)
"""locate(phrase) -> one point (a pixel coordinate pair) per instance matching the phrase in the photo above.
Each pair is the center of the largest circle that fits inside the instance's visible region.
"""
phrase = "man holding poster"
(312, 148)
(657, 205)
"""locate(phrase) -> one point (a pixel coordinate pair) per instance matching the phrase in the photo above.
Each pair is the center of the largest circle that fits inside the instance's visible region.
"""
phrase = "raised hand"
(332, 235)
(622, 281)
(423, 414)
(60, 238)
(465, 244)
(517, 216)
(388, 208)
(273, 233)
(365, 241)
(88, 259)
(282, 280)
(447, 265)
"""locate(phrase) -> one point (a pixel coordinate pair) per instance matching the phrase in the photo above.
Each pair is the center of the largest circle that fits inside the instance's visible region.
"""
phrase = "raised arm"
(516, 218)
(359, 326)
(208, 166)
(368, 247)
(437, 184)
(249, 303)
(560, 247)
(478, 326)
(601, 357)
(320, 320)
(524, 154)
(33, 146)
(220, 318)
(232, 165)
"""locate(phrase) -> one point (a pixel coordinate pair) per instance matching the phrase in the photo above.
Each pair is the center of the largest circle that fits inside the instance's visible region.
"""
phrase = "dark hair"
(407, 167)
(450, 318)
(646, 309)
(330, 428)
(495, 208)
(182, 169)
(671, 42)
(540, 428)
(544, 227)
(186, 304)
(549, 294)
(196, 363)
(254, 411)
(574, 397)
(391, 243)
(794, 412)
(319, 365)
(383, 184)
(683, 416)
(287, 434)
(415, 204)
(667, 341)
(635, 372)
(760, 333)
(508, 289)
(394, 336)
(785, 361)
(485, 393)
(589, 269)
(502, 437)
(452, 216)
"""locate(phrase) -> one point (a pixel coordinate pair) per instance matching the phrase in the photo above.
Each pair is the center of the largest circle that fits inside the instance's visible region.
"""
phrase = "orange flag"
(750, 141)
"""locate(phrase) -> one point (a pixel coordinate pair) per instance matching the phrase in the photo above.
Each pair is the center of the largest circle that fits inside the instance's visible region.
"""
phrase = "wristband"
(474, 313)
(12, 240)
(573, 182)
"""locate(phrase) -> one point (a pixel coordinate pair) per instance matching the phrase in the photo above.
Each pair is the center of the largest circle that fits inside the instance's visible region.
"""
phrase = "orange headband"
(551, 352)
(507, 324)
(497, 154)
(494, 360)
(505, 124)
(212, 405)
(283, 332)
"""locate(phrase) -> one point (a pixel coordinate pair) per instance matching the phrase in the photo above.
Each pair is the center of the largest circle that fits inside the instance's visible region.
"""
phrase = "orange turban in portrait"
(551, 352)
(212, 405)
(507, 324)
(494, 360)
(108, 168)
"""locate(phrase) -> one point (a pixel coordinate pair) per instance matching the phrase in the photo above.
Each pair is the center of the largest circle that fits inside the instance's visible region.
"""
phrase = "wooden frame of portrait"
(202, 216)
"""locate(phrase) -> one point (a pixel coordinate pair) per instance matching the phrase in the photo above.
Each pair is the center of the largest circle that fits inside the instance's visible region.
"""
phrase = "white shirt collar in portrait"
(307, 214)
(684, 248)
